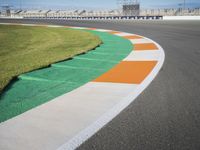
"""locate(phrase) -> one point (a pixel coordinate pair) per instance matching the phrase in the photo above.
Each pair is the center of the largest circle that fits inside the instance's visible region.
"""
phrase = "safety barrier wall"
(103, 18)
(181, 17)
(111, 17)
(11, 17)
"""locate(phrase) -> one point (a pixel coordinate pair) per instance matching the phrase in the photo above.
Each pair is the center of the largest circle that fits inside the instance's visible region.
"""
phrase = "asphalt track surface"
(167, 114)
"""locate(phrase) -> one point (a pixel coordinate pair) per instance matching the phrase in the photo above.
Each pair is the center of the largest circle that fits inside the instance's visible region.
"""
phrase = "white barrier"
(113, 18)
(181, 17)
(12, 17)
(101, 18)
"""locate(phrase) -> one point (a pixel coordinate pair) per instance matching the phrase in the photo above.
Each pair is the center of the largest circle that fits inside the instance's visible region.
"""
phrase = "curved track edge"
(145, 50)
(85, 134)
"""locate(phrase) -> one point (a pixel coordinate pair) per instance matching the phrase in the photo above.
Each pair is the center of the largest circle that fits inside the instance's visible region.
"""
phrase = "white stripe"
(54, 26)
(78, 27)
(146, 55)
(103, 30)
(123, 34)
(103, 120)
(140, 41)
(27, 25)
(52, 124)
(81, 112)
(6, 23)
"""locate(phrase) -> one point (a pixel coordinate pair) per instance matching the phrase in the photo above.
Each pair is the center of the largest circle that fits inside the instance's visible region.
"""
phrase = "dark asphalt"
(166, 116)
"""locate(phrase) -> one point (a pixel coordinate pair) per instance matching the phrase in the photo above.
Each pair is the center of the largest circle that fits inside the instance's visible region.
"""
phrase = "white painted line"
(28, 25)
(69, 120)
(80, 138)
(137, 35)
(52, 124)
(123, 34)
(140, 41)
(78, 27)
(6, 23)
(146, 55)
(181, 17)
(103, 30)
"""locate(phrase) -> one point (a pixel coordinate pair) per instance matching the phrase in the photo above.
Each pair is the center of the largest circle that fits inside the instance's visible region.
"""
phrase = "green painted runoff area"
(27, 48)
(35, 88)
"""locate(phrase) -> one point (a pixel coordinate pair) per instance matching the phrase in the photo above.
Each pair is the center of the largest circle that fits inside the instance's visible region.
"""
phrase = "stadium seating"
(102, 14)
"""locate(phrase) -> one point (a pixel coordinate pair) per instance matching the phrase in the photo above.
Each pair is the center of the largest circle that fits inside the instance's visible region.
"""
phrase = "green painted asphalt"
(35, 88)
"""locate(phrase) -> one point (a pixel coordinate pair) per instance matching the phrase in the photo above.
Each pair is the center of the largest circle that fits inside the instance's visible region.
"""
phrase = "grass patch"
(24, 48)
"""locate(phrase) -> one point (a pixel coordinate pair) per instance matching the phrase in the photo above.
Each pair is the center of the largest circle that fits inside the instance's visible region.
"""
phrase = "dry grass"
(23, 49)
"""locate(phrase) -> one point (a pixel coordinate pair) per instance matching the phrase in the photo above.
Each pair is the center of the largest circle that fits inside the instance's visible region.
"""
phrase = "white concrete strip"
(28, 25)
(20, 24)
(78, 27)
(6, 23)
(12, 17)
(181, 17)
(69, 120)
(146, 55)
(123, 34)
(85, 134)
(140, 41)
(103, 30)
(52, 124)
(54, 26)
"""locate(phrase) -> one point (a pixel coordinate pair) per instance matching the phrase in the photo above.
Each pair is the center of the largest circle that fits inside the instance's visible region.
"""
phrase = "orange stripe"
(132, 72)
(145, 46)
(91, 28)
(131, 37)
(114, 32)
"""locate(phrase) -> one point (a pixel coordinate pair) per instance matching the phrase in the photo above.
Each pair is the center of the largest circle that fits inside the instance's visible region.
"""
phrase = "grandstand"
(102, 13)
(129, 9)
(5, 10)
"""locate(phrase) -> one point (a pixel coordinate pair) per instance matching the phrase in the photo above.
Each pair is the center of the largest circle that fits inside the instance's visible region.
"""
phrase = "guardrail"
(12, 17)
(181, 17)
(108, 17)
(101, 18)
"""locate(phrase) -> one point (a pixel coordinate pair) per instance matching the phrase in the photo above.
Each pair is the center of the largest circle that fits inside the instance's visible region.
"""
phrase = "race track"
(167, 114)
